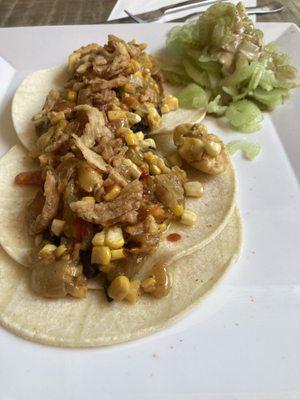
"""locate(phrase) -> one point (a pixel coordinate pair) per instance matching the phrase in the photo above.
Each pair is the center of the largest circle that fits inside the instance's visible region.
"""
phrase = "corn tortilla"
(93, 321)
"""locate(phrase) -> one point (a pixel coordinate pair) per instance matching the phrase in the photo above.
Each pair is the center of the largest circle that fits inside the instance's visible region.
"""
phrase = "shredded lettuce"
(192, 96)
(225, 55)
(250, 150)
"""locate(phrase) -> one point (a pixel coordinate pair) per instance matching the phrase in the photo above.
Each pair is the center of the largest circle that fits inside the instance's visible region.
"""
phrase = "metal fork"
(272, 7)
(155, 15)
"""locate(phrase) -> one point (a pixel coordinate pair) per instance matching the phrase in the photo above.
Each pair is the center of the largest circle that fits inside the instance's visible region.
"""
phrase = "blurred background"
(73, 12)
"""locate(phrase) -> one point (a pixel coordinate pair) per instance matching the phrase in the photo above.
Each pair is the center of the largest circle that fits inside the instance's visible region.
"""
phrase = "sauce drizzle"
(173, 237)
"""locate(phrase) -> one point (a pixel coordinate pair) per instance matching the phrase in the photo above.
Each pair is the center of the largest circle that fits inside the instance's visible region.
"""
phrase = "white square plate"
(242, 341)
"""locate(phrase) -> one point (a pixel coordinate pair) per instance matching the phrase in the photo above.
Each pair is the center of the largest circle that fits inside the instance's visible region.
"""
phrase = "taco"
(119, 77)
(74, 203)
(100, 176)
(93, 321)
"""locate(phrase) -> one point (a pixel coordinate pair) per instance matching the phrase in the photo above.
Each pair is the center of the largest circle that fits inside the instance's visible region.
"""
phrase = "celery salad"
(226, 68)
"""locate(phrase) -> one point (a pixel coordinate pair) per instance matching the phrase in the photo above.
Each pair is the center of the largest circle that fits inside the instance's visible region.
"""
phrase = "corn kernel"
(47, 250)
(123, 130)
(175, 159)
(149, 284)
(90, 199)
(101, 255)
(107, 268)
(88, 178)
(149, 156)
(133, 293)
(129, 88)
(72, 95)
(140, 135)
(115, 107)
(119, 288)
(154, 170)
(188, 217)
(155, 160)
(212, 148)
(117, 254)
(62, 125)
(153, 117)
(146, 143)
(159, 162)
(113, 115)
(133, 66)
(112, 193)
(130, 229)
(127, 162)
(177, 210)
(55, 117)
(60, 250)
(130, 101)
(171, 102)
(98, 239)
(114, 238)
(57, 226)
(156, 87)
(193, 189)
(165, 109)
(162, 227)
(131, 139)
(138, 74)
(134, 170)
(133, 118)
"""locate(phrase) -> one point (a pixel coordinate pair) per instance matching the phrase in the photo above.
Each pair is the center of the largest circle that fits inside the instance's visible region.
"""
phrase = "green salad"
(226, 68)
